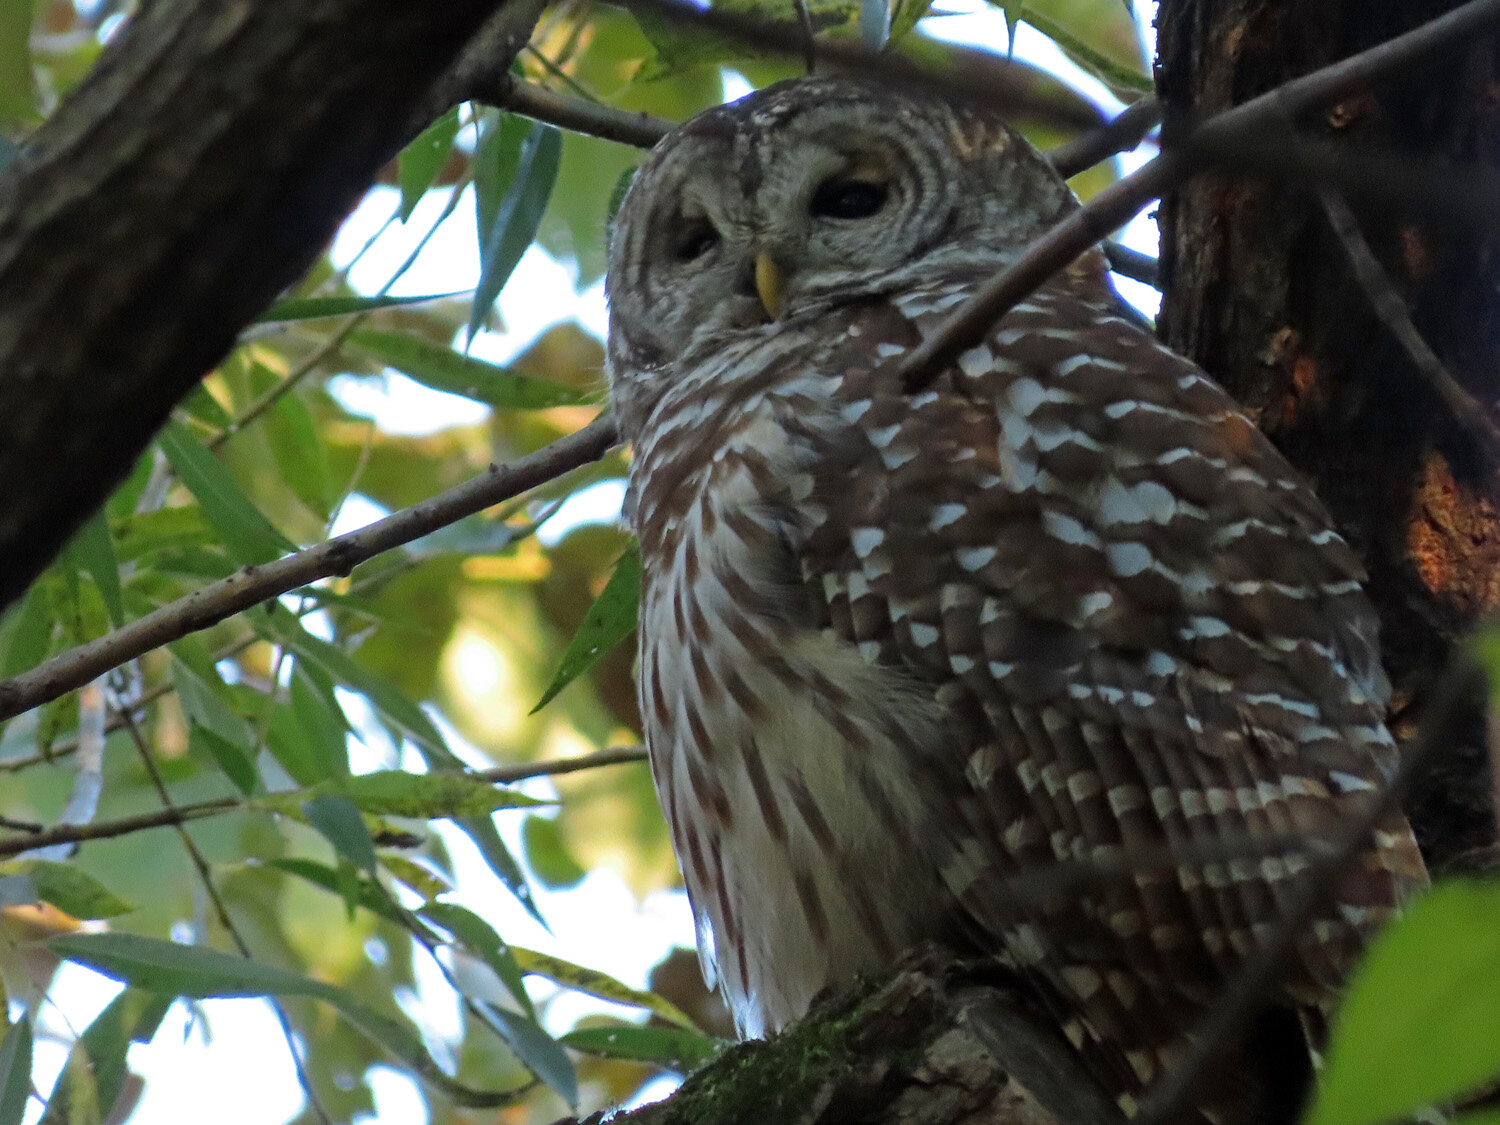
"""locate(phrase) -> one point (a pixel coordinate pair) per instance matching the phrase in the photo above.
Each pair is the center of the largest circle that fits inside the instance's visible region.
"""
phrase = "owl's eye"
(695, 240)
(848, 199)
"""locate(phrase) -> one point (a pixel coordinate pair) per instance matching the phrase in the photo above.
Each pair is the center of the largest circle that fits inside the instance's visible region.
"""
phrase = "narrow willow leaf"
(30, 628)
(538, 1051)
(15, 1072)
(247, 534)
(676, 1048)
(322, 719)
(421, 161)
(595, 983)
(282, 626)
(132, 1017)
(424, 881)
(425, 796)
(1113, 74)
(93, 551)
(368, 893)
(69, 889)
(298, 452)
(547, 855)
(318, 308)
(341, 825)
(608, 622)
(216, 730)
(497, 857)
(191, 970)
(1420, 1023)
(496, 158)
(479, 938)
(517, 217)
(444, 369)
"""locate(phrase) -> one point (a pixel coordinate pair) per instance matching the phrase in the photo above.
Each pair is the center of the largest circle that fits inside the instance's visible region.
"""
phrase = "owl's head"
(813, 192)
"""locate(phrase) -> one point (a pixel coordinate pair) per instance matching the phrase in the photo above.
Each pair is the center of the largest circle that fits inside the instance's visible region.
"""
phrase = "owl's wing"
(1088, 552)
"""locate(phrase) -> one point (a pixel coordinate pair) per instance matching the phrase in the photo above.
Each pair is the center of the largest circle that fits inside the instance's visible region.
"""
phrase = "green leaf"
(424, 796)
(537, 1050)
(216, 730)
(15, 1072)
(368, 893)
(497, 857)
(190, 970)
(1420, 1024)
(1113, 74)
(317, 308)
(281, 626)
(547, 854)
(69, 889)
(516, 218)
(30, 627)
(247, 534)
(298, 450)
(93, 551)
(678, 1049)
(17, 92)
(421, 161)
(341, 825)
(595, 983)
(608, 622)
(444, 369)
(479, 938)
(132, 1017)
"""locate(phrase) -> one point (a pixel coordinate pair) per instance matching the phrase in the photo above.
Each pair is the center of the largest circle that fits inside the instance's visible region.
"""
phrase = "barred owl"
(902, 654)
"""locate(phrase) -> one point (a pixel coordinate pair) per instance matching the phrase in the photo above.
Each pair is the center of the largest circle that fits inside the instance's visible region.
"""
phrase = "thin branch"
(183, 814)
(1258, 976)
(1393, 313)
(1217, 136)
(253, 584)
(502, 89)
(1133, 264)
(1123, 133)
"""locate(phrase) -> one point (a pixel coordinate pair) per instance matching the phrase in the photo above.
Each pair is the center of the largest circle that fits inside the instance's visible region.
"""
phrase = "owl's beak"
(768, 283)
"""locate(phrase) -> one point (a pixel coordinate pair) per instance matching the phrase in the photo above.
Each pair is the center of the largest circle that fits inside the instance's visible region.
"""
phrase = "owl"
(906, 657)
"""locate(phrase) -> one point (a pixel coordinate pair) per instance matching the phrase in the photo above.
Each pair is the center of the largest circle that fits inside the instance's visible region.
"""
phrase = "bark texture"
(933, 1045)
(1260, 292)
(204, 161)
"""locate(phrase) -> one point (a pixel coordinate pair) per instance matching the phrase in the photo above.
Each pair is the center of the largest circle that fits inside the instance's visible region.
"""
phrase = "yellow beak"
(768, 283)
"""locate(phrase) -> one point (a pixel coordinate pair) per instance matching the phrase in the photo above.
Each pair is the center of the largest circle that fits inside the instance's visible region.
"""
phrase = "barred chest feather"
(779, 751)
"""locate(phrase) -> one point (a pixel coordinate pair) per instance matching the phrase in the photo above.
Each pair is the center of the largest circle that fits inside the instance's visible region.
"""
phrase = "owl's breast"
(779, 752)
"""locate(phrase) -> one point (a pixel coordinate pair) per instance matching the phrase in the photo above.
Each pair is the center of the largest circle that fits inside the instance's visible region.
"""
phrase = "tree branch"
(252, 584)
(139, 231)
(182, 814)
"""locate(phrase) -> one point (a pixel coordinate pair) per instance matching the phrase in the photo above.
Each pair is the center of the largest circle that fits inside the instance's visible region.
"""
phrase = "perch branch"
(253, 584)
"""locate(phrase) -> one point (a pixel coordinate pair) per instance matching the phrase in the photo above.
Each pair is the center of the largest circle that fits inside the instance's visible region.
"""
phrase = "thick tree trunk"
(196, 172)
(1260, 292)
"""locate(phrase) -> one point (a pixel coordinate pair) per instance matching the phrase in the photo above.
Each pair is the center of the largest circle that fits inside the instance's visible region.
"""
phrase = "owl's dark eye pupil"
(848, 199)
(695, 241)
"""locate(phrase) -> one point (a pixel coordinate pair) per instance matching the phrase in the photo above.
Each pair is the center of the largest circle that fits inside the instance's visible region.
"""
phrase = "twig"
(205, 877)
(1122, 199)
(502, 89)
(1392, 311)
(182, 814)
(252, 584)
(1122, 134)
(1258, 976)
(1133, 264)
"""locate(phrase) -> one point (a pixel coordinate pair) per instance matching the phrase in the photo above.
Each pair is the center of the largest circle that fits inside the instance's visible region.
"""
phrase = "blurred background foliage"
(428, 660)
